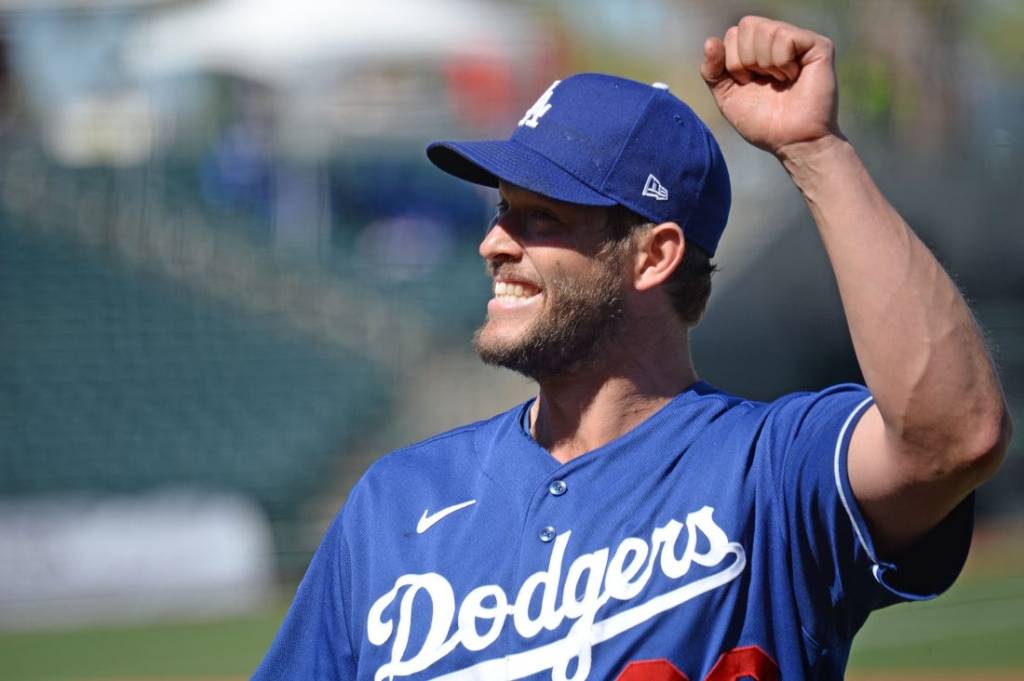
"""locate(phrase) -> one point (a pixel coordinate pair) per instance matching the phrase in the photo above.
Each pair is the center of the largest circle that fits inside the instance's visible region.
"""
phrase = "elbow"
(988, 443)
(970, 451)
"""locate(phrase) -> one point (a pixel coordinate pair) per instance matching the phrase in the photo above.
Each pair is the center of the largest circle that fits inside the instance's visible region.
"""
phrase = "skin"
(532, 239)
(939, 426)
(579, 313)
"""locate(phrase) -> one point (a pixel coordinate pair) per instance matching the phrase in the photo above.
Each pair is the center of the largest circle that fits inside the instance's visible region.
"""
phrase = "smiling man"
(560, 304)
(634, 522)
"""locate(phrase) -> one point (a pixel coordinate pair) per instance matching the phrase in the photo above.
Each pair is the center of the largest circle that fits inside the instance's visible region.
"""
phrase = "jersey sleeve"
(830, 544)
(314, 641)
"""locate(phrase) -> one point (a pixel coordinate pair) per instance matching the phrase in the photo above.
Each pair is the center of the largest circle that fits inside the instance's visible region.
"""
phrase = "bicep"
(853, 562)
(900, 498)
(314, 641)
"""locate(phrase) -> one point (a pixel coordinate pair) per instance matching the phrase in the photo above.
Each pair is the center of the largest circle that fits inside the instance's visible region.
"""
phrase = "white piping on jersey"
(605, 575)
(839, 484)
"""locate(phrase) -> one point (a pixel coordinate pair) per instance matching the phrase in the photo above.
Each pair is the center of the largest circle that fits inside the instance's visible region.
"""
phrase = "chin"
(502, 349)
(491, 342)
(504, 333)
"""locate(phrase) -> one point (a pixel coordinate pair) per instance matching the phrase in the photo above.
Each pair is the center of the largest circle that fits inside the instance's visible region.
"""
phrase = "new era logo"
(654, 189)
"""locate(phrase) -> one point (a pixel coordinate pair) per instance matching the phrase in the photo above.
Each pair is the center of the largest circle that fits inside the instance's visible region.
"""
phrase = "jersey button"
(557, 488)
(547, 534)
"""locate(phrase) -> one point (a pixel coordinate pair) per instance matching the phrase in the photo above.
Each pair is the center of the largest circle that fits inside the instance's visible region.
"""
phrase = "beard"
(581, 317)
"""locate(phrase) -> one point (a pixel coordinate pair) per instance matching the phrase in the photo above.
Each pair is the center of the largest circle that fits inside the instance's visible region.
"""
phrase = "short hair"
(689, 286)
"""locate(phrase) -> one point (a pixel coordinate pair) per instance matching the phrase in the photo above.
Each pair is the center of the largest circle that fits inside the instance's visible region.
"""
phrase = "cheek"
(562, 267)
(579, 284)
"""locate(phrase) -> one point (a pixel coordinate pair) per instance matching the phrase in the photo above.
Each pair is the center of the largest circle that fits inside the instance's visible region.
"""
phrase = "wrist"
(799, 152)
(804, 160)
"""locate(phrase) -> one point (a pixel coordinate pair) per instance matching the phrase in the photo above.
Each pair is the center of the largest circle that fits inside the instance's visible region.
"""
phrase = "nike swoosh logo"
(429, 520)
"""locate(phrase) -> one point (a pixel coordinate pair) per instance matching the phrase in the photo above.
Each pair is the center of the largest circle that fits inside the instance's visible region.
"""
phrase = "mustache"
(509, 272)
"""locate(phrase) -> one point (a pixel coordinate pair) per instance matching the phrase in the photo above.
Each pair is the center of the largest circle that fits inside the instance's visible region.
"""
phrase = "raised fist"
(774, 82)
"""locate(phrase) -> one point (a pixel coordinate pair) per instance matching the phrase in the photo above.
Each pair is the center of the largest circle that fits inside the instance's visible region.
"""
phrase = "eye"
(500, 207)
(542, 214)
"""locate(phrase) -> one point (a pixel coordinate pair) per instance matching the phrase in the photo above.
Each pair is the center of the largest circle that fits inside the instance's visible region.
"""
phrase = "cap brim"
(487, 162)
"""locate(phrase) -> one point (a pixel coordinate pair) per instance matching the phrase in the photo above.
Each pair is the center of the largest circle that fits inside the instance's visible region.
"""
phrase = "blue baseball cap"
(601, 140)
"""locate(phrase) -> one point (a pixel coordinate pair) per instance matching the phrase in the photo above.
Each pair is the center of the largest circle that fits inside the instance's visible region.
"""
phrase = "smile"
(514, 292)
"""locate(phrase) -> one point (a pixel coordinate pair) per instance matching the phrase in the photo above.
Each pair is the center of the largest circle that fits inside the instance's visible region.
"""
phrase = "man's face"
(558, 297)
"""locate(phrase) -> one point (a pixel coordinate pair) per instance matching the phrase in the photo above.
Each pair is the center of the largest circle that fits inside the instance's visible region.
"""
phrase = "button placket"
(556, 488)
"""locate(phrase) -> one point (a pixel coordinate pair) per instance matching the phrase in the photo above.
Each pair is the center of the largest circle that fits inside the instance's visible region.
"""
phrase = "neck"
(589, 407)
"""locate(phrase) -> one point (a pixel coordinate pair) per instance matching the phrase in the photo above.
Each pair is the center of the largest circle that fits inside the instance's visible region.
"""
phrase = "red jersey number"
(749, 663)
(652, 670)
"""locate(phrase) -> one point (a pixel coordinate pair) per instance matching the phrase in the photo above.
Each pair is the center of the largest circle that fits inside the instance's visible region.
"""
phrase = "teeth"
(503, 289)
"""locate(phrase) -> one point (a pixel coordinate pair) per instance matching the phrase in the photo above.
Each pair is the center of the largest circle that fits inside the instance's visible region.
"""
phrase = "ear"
(658, 254)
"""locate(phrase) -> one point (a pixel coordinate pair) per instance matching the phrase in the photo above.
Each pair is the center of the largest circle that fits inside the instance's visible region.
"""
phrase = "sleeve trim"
(841, 443)
(880, 569)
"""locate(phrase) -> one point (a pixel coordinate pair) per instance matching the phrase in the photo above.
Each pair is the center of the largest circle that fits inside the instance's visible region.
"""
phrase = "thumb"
(712, 70)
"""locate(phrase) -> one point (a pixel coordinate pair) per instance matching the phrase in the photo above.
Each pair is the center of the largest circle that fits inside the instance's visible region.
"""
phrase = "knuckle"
(765, 54)
(737, 71)
(788, 46)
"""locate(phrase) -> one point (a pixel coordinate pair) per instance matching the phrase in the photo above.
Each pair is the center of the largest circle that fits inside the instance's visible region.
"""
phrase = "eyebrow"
(527, 195)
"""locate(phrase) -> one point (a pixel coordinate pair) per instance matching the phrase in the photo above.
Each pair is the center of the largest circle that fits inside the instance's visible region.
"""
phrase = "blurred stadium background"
(229, 280)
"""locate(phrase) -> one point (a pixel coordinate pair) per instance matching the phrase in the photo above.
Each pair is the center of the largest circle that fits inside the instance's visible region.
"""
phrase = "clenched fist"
(774, 82)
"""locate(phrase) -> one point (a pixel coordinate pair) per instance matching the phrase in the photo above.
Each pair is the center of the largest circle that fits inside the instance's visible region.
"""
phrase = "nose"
(498, 244)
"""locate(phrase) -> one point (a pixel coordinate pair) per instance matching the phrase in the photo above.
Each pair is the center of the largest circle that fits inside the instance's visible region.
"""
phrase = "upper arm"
(809, 442)
(314, 640)
(903, 494)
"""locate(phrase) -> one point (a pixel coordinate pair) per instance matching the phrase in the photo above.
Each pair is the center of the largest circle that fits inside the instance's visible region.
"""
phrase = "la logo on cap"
(539, 108)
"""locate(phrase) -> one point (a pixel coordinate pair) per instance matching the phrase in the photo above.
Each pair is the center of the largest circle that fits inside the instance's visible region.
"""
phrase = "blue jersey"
(717, 540)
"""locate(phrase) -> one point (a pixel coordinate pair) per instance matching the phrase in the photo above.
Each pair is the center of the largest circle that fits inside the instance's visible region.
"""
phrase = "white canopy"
(272, 40)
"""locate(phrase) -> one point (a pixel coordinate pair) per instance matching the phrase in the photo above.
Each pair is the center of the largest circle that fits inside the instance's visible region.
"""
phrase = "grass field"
(975, 632)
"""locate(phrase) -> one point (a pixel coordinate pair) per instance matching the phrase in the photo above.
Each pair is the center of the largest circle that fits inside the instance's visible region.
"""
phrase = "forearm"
(916, 341)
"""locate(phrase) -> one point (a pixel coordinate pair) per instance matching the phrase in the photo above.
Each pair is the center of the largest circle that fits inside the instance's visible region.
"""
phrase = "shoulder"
(790, 404)
(828, 410)
(716, 411)
(443, 447)
(441, 457)
(769, 431)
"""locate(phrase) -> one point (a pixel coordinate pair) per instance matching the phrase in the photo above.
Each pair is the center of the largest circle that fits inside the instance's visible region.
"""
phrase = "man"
(632, 521)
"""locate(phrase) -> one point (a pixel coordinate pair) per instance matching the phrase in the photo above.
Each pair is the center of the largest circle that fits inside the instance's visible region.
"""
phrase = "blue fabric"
(717, 525)
(601, 140)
